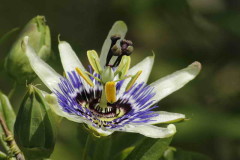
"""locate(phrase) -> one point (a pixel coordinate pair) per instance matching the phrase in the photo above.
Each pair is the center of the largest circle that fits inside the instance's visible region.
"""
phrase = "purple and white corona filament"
(111, 96)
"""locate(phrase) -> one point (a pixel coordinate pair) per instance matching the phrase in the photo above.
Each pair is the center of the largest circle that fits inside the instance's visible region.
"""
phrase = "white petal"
(146, 66)
(118, 28)
(152, 131)
(51, 99)
(68, 57)
(101, 131)
(167, 117)
(49, 77)
(169, 84)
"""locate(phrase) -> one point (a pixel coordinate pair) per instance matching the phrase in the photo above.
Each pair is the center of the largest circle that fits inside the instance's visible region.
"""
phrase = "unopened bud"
(35, 131)
(16, 63)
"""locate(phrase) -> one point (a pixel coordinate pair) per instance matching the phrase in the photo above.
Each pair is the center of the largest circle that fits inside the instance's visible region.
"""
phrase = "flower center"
(116, 68)
(110, 112)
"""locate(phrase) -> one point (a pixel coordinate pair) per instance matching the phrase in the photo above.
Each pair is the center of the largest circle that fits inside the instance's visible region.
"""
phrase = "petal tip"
(172, 129)
(196, 65)
(194, 68)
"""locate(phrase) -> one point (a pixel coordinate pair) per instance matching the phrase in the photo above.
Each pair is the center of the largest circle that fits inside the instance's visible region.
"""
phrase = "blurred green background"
(179, 32)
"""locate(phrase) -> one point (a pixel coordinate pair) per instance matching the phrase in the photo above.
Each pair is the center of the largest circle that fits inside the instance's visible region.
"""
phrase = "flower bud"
(16, 63)
(35, 131)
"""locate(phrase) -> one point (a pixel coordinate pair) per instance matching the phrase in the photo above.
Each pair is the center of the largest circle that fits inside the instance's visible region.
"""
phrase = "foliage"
(179, 32)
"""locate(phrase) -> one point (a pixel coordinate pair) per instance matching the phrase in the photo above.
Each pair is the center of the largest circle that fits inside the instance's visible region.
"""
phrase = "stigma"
(118, 48)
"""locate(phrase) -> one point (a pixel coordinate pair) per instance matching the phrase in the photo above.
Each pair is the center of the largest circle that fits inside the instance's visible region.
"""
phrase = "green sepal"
(16, 63)
(35, 127)
(123, 66)
(149, 148)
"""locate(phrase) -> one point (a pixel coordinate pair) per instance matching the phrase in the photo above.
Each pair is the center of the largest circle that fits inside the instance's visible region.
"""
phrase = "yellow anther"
(94, 61)
(110, 90)
(123, 66)
(133, 80)
(64, 74)
(84, 76)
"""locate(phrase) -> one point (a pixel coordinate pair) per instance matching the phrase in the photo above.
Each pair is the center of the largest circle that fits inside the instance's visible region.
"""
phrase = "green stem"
(3, 144)
(87, 146)
(10, 94)
(11, 141)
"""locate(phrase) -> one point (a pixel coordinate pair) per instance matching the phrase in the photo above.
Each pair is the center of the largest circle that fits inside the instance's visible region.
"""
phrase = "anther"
(116, 51)
(110, 89)
(129, 50)
(133, 80)
(84, 76)
(126, 47)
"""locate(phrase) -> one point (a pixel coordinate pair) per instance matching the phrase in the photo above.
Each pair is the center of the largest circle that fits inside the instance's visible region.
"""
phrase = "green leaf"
(3, 156)
(102, 148)
(184, 155)
(150, 149)
(7, 112)
(8, 115)
(123, 155)
(180, 154)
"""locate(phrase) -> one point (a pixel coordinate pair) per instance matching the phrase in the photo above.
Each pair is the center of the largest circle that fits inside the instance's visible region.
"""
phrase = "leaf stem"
(11, 141)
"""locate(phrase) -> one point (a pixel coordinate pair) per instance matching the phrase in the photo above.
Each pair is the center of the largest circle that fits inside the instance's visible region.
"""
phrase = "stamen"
(94, 61)
(64, 74)
(133, 80)
(116, 51)
(99, 80)
(123, 66)
(110, 90)
(84, 76)
(126, 49)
